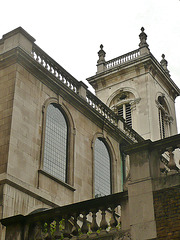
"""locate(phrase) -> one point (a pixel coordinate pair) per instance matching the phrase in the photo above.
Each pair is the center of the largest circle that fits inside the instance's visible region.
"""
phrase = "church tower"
(138, 88)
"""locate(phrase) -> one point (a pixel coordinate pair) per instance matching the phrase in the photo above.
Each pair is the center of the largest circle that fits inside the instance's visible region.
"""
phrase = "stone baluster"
(95, 106)
(46, 64)
(75, 229)
(55, 71)
(103, 111)
(103, 223)
(58, 232)
(51, 68)
(37, 57)
(72, 85)
(33, 53)
(171, 165)
(59, 76)
(67, 229)
(113, 222)
(67, 82)
(63, 79)
(26, 231)
(94, 225)
(38, 231)
(48, 234)
(74, 88)
(42, 61)
(89, 101)
(84, 228)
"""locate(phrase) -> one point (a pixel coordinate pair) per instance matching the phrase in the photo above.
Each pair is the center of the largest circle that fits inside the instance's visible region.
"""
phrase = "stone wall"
(7, 82)
(167, 213)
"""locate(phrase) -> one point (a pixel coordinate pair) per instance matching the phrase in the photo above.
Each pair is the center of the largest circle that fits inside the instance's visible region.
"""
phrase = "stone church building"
(60, 144)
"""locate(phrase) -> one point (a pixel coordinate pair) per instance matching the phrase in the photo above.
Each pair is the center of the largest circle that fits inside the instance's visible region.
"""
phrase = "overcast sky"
(70, 31)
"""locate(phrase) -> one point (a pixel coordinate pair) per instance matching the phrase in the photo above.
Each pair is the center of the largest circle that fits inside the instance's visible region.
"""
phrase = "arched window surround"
(124, 89)
(70, 140)
(164, 115)
(126, 106)
(113, 161)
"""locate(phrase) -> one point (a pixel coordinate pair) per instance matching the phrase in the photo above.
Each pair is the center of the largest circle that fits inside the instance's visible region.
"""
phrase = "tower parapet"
(103, 65)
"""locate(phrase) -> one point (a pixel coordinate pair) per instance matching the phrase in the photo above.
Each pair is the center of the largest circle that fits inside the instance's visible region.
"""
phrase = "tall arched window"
(55, 146)
(102, 169)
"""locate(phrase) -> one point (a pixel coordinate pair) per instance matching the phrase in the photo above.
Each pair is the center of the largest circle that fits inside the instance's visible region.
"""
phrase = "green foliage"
(53, 229)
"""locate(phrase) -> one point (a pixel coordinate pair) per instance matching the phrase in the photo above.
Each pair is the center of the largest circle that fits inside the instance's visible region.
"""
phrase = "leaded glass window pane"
(102, 169)
(55, 148)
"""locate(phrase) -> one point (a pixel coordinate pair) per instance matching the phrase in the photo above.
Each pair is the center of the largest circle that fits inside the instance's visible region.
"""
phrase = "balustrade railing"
(122, 59)
(166, 151)
(70, 221)
(53, 67)
(99, 106)
(166, 148)
(131, 133)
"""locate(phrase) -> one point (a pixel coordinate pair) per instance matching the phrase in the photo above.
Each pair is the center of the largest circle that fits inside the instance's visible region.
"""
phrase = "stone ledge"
(166, 181)
(26, 188)
(56, 180)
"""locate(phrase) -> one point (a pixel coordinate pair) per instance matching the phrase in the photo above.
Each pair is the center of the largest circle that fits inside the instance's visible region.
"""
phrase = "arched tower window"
(55, 143)
(122, 105)
(102, 169)
(164, 118)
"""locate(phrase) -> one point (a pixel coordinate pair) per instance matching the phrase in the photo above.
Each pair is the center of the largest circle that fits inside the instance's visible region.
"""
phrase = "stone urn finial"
(143, 38)
(101, 55)
(164, 64)
(101, 61)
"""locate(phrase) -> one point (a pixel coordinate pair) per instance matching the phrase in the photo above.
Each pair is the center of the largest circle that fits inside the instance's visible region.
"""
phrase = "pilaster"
(140, 191)
(82, 89)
